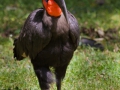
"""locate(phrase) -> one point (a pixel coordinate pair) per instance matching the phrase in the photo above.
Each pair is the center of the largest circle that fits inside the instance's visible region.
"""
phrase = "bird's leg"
(60, 74)
(58, 83)
(44, 76)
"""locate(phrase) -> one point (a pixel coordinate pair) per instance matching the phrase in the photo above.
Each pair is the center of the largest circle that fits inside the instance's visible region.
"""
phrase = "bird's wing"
(33, 37)
(74, 30)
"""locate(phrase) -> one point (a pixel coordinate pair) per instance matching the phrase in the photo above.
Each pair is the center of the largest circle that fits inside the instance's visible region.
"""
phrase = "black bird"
(49, 37)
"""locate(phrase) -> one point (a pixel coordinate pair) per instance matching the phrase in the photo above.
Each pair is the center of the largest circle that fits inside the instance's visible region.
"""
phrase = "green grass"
(88, 70)
(15, 74)
(94, 70)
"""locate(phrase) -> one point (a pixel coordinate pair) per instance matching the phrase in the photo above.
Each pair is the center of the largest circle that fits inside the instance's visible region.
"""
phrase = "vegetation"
(88, 70)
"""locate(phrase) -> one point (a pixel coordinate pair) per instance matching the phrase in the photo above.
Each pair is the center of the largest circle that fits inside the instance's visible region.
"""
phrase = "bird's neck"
(58, 26)
(52, 8)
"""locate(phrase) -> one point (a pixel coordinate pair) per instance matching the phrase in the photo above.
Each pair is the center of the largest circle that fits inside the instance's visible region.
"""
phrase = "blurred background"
(98, 20)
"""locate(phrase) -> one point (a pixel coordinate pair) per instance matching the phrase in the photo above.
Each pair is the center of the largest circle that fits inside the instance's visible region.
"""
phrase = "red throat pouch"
(52, 8)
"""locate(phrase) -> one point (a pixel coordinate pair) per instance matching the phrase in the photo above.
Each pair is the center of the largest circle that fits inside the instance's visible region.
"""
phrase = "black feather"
(49, 42)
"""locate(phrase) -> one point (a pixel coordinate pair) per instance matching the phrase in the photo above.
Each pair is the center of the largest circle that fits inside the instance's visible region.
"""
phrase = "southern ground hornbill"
(49, 37)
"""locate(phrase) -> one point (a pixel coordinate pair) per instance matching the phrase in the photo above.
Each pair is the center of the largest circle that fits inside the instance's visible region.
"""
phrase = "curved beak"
(62, 5)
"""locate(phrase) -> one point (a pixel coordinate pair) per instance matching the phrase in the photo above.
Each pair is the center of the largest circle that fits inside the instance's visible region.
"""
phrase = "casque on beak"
(62, 5)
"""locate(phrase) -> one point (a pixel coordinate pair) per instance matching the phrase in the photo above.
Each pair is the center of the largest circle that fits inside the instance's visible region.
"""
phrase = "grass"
(94, 70)
(15, 74)
(88, 70)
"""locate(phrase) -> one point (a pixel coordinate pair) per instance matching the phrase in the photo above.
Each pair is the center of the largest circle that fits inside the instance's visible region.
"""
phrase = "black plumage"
(49, 42)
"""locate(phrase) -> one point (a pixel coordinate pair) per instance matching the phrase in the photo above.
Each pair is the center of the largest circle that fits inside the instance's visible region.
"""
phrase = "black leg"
(44, 76)
(60, 74)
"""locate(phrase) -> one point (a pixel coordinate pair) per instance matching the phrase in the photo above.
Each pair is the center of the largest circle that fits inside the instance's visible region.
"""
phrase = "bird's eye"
(46, 0)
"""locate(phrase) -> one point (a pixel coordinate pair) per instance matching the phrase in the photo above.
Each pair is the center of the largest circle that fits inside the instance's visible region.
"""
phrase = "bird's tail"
(18, 50)
(45, 77)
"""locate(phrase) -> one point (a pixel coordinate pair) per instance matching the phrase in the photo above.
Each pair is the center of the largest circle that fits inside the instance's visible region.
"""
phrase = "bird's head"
(55, 8)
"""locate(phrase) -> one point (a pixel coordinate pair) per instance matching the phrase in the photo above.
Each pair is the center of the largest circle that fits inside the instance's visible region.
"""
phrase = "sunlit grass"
(94, 70)
(15, 74)
(88, 70)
